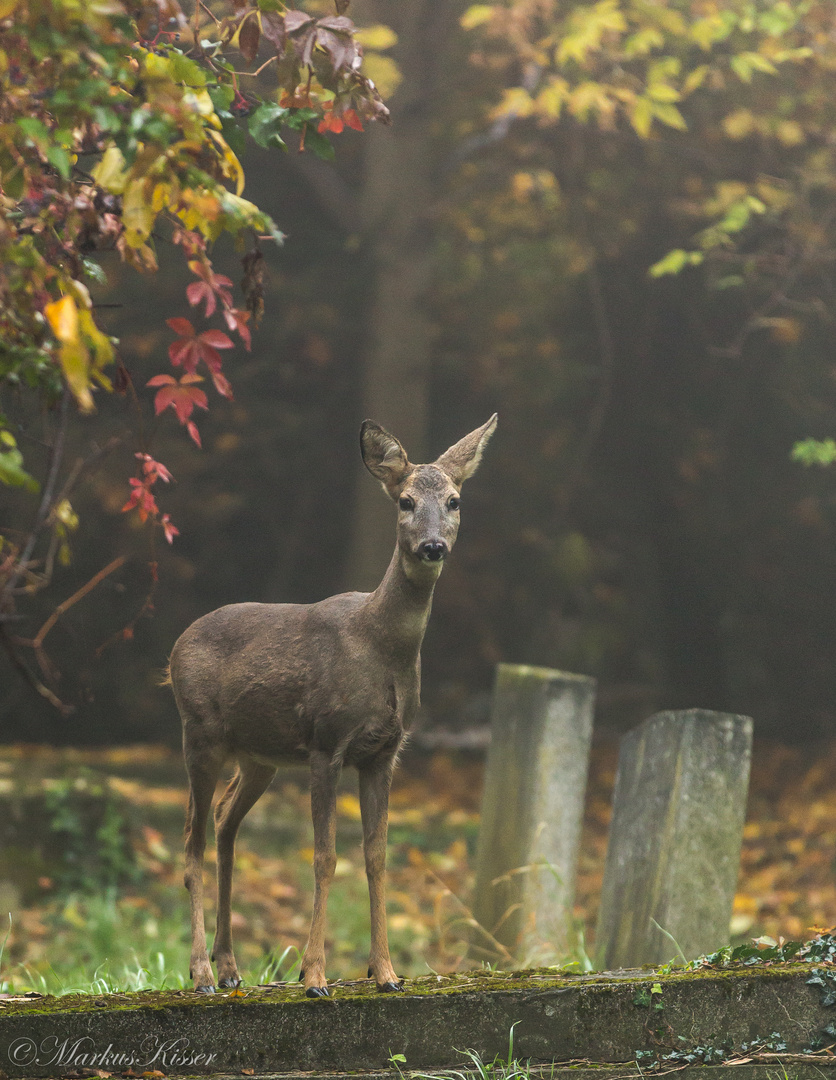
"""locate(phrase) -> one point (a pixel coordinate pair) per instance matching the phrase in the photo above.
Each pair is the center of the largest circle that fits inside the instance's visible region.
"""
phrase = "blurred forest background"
(639, 516)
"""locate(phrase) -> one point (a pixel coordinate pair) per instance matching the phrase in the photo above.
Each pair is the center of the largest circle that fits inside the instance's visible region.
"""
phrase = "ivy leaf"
(319, 145)
(265, 122)
(191, 348)
(209, 288)
(182, 396)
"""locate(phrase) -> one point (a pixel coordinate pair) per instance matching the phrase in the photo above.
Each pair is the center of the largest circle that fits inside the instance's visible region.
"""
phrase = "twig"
(35, 684)
(37, 642)
(252, 74)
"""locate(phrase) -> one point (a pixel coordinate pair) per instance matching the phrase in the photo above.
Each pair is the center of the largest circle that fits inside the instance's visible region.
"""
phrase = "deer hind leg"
(324, 775)
(245, 789)
(375, 781)
(204, 771)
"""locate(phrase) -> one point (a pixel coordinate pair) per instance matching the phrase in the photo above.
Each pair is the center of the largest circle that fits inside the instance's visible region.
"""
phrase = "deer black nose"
(433, 550)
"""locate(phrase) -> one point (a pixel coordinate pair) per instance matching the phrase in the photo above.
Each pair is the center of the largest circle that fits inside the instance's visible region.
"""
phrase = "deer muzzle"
(433, 550)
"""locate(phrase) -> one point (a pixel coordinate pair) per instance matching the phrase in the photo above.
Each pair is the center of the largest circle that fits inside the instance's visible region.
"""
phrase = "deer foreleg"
(324, 776)
(375, 781)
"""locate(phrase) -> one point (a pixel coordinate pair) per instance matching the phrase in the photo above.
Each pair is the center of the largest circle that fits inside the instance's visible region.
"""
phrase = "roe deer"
(331, 683)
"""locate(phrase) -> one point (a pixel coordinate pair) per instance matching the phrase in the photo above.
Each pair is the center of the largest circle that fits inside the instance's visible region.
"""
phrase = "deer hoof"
(204, 989)
(317, 992)
(230, 984)
(391, 987)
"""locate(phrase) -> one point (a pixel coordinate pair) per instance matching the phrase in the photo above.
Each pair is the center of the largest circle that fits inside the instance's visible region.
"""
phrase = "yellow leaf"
(587, 27)
(790, 133)
(75, 363)
(516, 101)
(7, 7)
(199, 101)
(349, 806)
(65, 514)
(642, 116)
(62, 316)
(739, 124)
(100, 343)
(695, 78)
(110, 173)
(660, 91)
(231, 165)
(670, 115)
(591, 97)
(138, 215)
(142, 259)
(551, 98)
(377, 37)
(522, 185)
(476, 15)
(644, 41)
(163, 196)
(383, 71)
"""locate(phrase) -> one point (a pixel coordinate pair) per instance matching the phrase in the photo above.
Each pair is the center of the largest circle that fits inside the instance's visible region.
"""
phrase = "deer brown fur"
(334, 683)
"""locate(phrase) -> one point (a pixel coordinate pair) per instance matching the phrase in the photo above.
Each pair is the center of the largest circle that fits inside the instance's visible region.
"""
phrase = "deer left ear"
(384, 457)
(461, 461)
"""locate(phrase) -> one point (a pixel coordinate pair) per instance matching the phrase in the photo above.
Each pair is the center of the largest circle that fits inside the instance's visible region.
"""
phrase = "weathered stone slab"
(674, 847)
(532, 810)
(790, 1068)
(596, 1018)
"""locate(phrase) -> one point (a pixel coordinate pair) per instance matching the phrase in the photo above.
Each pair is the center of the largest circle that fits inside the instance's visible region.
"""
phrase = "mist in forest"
(638, 517)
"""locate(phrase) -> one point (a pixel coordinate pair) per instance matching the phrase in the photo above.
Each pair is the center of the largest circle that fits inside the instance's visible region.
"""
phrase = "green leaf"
(12, 473)
(815, 452)
(58, 157)
(94, 271)
(221, 95)
(319, 145)
(675, 261)
(35, 130)
(266, 122)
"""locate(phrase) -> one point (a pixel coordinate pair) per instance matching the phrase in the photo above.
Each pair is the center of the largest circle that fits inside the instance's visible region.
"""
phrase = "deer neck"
(399, 608)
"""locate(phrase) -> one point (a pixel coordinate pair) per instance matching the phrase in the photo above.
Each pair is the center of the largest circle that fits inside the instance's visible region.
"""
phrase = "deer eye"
(454, 502)
(405, 503)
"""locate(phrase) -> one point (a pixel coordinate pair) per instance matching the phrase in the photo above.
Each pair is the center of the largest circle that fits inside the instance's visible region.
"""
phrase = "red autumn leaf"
(190, 348)
(330, 121)
(210, 287)
(237, 320)
(181, 327)
(191, 427)
(142, 499)
(154, 470)
(170, 530)
(222, 384)
(193, 243)
(181, 396)
(352, 120)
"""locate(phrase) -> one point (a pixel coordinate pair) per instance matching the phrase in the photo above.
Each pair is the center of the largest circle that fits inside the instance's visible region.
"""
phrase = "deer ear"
(461, 461)
(384, 457)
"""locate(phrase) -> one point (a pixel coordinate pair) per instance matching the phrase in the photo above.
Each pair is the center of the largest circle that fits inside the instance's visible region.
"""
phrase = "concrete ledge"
(591, 1020)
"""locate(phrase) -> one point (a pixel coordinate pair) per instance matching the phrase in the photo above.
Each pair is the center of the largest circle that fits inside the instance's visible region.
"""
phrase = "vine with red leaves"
(120, 126)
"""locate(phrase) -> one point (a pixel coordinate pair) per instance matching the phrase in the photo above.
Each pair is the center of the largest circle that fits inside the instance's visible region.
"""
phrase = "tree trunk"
(398, 192)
